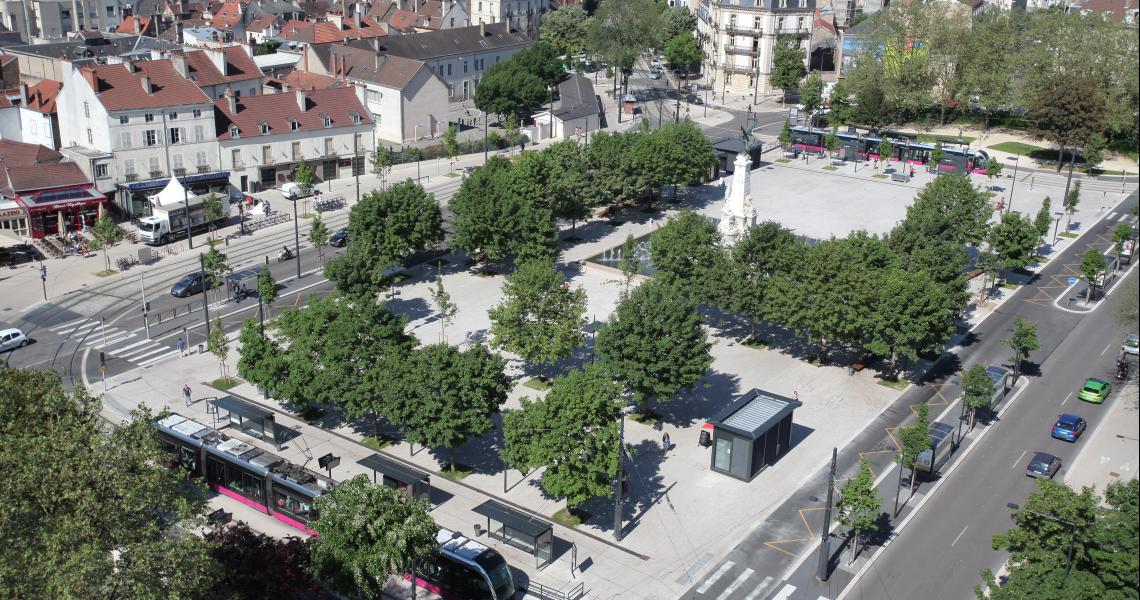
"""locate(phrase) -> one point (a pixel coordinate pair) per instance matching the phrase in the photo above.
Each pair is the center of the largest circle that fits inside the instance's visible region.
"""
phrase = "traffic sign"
(1072, 281)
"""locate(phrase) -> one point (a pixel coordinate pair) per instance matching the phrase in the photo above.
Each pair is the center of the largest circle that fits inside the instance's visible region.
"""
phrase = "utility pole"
(205, 292)
(356, 167)
(43, 278)
(145, 306)
(1013, 185)
(620, 479)
(484, 137)
(825, 536)
(297, 236)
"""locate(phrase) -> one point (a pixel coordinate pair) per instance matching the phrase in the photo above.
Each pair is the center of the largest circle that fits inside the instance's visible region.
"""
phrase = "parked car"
(1131, 344)
(655, 74)
(694, 99)
(189, 285)
(1043, 464)
(1094, 390)
(1068, 427)
(340, 238)
(13, 338)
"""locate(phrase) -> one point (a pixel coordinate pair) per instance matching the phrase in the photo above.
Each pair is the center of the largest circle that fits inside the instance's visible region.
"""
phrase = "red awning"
(61, 199)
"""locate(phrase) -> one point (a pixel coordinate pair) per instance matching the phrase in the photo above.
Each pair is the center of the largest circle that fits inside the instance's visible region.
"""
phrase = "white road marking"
(1019, 457)
(149, 352)
(715, 576)
(151, 361)
(128, 347)
(959, 535)
(739, 581)
(1066, 398)
(763, 587)
(785, 593)
(1110, 344)
(112, 339)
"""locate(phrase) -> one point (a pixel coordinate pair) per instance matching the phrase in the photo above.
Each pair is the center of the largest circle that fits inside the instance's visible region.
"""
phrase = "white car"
(655, 74)
(1131, 344)
(10, 339)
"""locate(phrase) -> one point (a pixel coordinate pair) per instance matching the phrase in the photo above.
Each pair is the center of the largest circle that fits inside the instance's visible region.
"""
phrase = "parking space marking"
(959, 536)
(810, 535)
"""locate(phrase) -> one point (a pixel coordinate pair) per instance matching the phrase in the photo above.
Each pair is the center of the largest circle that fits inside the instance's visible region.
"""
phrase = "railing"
(155, 174)
(131, 176)
(740, 69)
(179, 172)
(734, 29)
(740, 50)
(548, 593)
(239, 166)
(203, 168)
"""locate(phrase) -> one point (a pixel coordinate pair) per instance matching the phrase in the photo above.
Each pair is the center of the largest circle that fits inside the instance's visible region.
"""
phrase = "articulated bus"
(954, 159)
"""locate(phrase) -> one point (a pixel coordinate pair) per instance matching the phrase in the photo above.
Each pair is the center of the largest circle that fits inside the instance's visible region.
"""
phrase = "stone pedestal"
(738, 214)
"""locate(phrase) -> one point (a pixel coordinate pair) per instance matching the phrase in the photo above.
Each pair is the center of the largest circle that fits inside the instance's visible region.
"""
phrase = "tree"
(787, 65)
(1071, 202)
(214, 264)
(498, 212)
(685, 249)
(90, 505)
(1092, 269)
(319, 236)
(764, 253)
(256, 565)
(1043, 220)
(446, 395)
(886, 151)
(266, 292)
(630, 262)
(615, 172)
(1014, 241)
(1069, 112)
(842, 112)
(258, 357)
(367, 533)
(451, 144)
(213, 206)
(949, 209)
(993, 169)
(831, 142)
(565, 29)
(105, 234)
(977, 390)
(386, 227)
(785, 135)
(654, 343)
(683, 52)
(859, 505)
(1023, 341)
(568, 184)
(911, 314)
(218, 345)
(383, 158)
(444, 306)
(936, 156)
(811, 95)
(682, 154)
(540, 317)
(621, 29)
(675, 20)
(506, 89)
(304, 176)
(913, 441)
(1121, 234)
(573, 432)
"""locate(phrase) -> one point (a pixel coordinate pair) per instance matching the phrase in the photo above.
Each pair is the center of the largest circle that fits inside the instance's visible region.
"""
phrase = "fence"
(548, 593)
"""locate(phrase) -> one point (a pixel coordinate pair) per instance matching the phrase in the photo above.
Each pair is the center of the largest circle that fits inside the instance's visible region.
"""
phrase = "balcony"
(155, 174)
(740, 50)
(203, 168)
(734, 29)
(131, 176)
(739, 69)
(179, 172)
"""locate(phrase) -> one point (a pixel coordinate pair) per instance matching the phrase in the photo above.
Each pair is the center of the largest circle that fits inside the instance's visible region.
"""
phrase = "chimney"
(25, 95)
(89, 75)
(482, 29)
(301, 101)
(179, 31)
(135, 25)
(178, 60)
(146, 85)
(356, 19)
(231, 101)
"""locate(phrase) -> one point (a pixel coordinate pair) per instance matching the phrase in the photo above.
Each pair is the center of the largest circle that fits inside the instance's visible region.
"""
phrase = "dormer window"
(294, 125)
(234, 131)
(264, 127)
(356, 118)
(326, 121)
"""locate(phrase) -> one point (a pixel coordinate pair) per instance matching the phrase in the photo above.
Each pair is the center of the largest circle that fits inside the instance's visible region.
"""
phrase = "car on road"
(1043, 464)
(1068, 427)
(1094, 390)
(693, 99)
(189, 285)
(340, 238)
(655, 74)
(1131, 344)
(13, 338)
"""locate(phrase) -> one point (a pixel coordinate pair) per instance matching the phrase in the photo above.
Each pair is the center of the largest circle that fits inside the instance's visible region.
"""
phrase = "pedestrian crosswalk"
(732, 582)
(1119, 217)
(127, 345)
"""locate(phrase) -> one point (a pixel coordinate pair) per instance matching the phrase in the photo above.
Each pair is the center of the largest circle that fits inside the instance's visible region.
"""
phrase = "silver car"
(10, 339)
(1131, 344)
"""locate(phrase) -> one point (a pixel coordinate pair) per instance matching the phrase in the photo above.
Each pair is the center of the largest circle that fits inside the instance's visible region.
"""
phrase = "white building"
(520, 14)
(55, 19)
(262, 139)
(146, 121)
(739, 37)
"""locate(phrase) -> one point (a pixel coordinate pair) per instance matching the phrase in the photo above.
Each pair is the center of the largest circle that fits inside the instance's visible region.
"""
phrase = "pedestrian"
(796, 394)
(912, 172)
(665, 442)
(182, 346)
(186, 393)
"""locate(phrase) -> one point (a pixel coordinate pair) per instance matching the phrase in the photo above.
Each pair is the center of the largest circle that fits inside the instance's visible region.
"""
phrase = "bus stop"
(518, 529)
(751, 433)
(245, 417)
(398, 476)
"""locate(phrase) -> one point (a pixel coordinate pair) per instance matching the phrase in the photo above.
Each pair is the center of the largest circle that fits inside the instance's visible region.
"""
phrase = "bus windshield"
(500, 575)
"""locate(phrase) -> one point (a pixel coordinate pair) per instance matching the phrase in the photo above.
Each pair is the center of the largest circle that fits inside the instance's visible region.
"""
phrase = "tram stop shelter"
(518, 529)
(395, 474)
(751, 433)
(245, 417)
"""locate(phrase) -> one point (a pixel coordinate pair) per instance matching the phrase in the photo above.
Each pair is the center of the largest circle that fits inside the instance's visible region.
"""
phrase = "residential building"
(578, 112)
(41, 196)
(54, 60)
(262, 139)
(458, 56)
(519, 14)
(216, 70)
(54, 19)
(131, 126)
(39, 121)
(263, 27)
(739, 39)
(406, 99)
(418, 16)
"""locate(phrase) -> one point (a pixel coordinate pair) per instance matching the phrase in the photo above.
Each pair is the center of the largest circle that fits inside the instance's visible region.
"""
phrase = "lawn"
(896, 384)
(537, 383)
(567, 518)
(930, 138)
(1019, 148)
(225, 383)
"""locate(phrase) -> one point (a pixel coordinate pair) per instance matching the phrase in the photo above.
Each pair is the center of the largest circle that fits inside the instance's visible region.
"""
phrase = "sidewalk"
(1112, 450)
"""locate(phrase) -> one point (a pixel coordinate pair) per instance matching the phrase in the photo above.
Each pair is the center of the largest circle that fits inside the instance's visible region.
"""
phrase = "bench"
(900, 177)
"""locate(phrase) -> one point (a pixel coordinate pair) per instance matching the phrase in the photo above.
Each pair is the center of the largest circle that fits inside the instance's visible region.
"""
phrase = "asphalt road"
(784, 543)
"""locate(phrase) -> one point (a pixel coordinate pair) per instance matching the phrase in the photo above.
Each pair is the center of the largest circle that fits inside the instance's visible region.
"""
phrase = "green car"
(1095, 390)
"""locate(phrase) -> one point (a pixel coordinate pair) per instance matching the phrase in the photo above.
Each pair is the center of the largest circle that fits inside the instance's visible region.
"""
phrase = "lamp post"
(297, 236)
(1012, 186)
(1072, 530)
(620, 475)
(1056, 226)
(205, 290)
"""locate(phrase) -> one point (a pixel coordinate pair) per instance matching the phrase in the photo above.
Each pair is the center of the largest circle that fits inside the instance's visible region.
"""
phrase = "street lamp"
(1072, 530)
(297, 236)
(1016, 161)
(620, 475)
(1056, 226)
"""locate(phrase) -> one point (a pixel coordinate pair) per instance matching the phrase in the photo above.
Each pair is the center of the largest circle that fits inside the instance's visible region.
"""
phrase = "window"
(197, 113)
(175, 135)
(264, 127)
(148, 117)
(357, 142)
(374, 96)
(101, 171)
(449, 69)
(294, 125)
(154, 168)
(329, 148)
(464, 66)
(124, 119)
(296, 151)
(172, 116)
(356, 118)
(783, 3)
(129, 166)
(326, 121)
(110, 11)
(235, 157)
(178, 164)
(267, 154)
(234, 131)
(86, 110)
(200, 159)
(199, 133)
(151, 136)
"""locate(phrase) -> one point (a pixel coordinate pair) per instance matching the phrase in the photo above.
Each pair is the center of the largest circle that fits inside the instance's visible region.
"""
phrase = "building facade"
(739, 39)
(519, 14)
(56, 19)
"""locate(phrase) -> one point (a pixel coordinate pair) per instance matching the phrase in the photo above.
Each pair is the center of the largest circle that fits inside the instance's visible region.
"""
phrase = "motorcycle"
(1121, 370)
(284, 255)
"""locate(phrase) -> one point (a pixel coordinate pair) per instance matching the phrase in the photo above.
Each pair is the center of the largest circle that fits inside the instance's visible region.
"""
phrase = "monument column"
(738, 214)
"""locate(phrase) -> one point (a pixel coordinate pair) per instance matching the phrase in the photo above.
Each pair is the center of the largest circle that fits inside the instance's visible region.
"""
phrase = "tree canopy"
(499, 212)
(540, 317)
(566, 29)
(788, 66)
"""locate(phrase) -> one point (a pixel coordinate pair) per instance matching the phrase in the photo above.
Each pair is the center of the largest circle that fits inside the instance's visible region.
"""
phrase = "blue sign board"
(1072, 281)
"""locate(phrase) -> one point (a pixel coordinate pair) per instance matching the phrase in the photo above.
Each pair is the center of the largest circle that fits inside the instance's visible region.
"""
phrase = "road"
(776, 559)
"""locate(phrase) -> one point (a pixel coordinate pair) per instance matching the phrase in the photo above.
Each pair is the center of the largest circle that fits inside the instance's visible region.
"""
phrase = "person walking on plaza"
(186, 393)
(665, 442)
(182, 346)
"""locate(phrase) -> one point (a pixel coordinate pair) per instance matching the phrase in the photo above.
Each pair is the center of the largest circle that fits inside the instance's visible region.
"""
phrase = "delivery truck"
(168, 223)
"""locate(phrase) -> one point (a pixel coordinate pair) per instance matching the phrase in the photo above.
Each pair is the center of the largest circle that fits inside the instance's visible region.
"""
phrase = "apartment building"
(739, 37)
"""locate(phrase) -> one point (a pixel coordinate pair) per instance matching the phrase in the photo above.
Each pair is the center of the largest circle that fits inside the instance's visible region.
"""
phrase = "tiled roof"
(304, 80)
(381, 10)
(128, 25)
(449, 42)
(112, 44)
(1116, 8)
(119, 89)
(239, 67)
(41, 177)
(261, 23)
(20, 154)
(365, 65)
(43, 95)
(228, 15)
(325, 32)
(277, 110)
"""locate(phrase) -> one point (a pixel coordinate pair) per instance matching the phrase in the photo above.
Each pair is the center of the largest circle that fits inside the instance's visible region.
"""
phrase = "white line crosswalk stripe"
(160, 357)
(144, 352)
(123, 349)
(711, 581)
(739, 581)
(785, 593)
(760, 589)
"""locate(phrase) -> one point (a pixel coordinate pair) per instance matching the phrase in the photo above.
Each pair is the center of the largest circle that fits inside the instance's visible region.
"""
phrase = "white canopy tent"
(173, 193)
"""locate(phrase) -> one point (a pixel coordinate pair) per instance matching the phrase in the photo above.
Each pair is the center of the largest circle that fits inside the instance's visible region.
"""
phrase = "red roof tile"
(239, 67)
(119, 89)
(325, 32)
(40, 177)
(228, 15)
(43, 95)
(304, 80)
(261, 23)
(277, 110)
(21, 154)
(128, 25)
